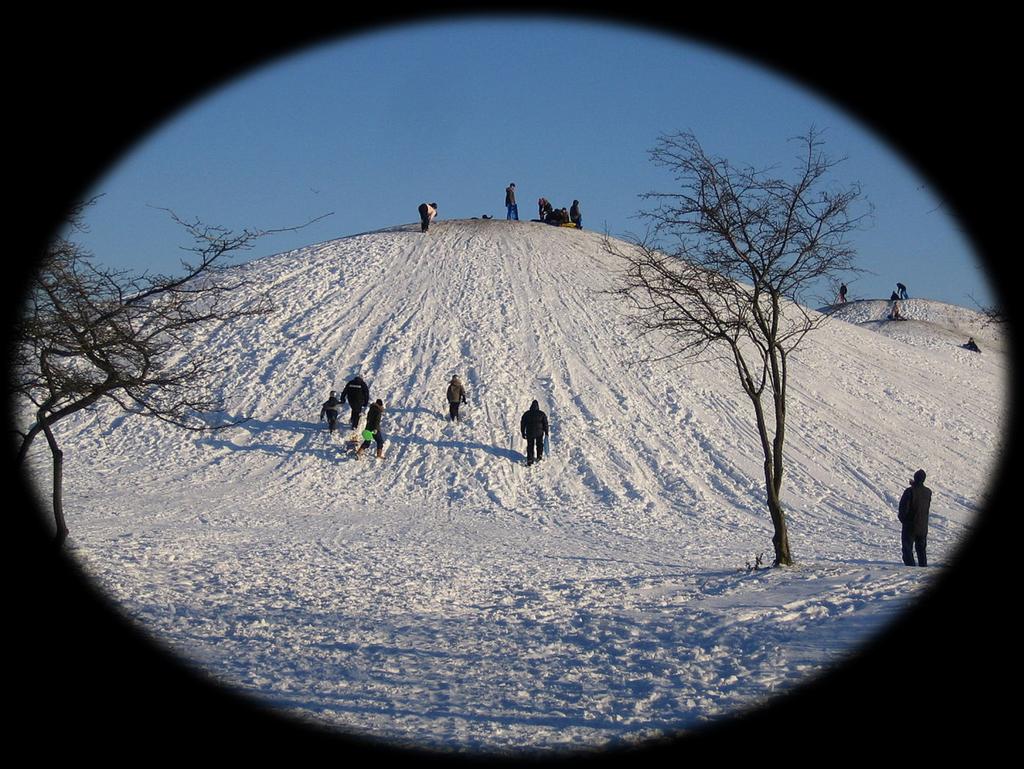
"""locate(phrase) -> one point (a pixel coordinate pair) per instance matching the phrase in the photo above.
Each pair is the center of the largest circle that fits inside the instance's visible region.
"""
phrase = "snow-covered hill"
(448, 596)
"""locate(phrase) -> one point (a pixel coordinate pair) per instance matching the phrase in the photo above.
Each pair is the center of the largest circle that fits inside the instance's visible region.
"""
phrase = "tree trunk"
(58, 488)
(780, 540)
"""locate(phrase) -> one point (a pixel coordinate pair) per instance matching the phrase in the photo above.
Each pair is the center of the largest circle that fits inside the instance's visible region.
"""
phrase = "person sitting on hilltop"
(575, 216)
(972, 345)
(543, 209)
(894, 313)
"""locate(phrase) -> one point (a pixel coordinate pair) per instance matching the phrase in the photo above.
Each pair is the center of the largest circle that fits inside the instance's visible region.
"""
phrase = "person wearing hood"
(372, 429)
(427, 213)
(533, 427)
(913, 514)
(456, 395)
(575, 216)
(357, 392)
(330, 410)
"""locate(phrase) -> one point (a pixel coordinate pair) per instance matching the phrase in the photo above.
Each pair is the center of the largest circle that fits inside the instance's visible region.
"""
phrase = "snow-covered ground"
(449, 597)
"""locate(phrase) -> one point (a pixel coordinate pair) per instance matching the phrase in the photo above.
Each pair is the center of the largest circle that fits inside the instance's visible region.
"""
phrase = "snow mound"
(927, 322)
(449, 596)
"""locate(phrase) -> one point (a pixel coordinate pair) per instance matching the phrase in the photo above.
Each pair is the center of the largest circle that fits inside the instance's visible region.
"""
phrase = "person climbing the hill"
(510, 202)
(330, 410)
(372, 429)
(575, 216)
(902, 291)
(357, 392)
(533, 427)
(913, 515)
(427, 213)
(456, 395)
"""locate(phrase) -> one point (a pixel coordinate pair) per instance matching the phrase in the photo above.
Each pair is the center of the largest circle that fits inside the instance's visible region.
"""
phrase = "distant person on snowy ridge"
(543, 209)
(357, 392)
(330, 410)
(902, 291)
(575, 216)
(894, 313)
(842, 294)
(913, 515)
(533, 427)
(427, 213)
(972, 345)
(510, 202)
(456, 395)
(373, 418)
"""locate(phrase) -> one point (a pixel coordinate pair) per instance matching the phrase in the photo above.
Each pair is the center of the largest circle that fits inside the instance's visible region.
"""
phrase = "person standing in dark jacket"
(330, 410)
(456, 395)
(373, 418)
(534, 426)
(358, 395)
(510, 202)
(913, 514)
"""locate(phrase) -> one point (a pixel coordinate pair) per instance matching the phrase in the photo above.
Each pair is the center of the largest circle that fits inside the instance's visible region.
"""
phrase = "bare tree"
(744, 247)
(89, 333)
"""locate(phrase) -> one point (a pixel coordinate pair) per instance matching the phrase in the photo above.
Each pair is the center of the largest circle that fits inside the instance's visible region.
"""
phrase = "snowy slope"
(448, 596)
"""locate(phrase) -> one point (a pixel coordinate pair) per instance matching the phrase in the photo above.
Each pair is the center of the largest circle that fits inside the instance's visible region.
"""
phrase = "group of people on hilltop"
(533, 425)
(546, 212)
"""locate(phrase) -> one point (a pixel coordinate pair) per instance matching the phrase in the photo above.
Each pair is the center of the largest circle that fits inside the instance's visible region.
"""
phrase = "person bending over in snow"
(456, 395)
(330, 410)
(533, 427)
(373, 418)
(357, 392)
(427, 213)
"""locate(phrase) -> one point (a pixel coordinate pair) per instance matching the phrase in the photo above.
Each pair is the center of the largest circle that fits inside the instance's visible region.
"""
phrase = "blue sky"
(369, 126)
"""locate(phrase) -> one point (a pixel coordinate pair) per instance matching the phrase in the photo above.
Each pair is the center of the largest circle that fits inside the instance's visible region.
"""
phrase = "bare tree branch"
(728, 262)
(91, 333)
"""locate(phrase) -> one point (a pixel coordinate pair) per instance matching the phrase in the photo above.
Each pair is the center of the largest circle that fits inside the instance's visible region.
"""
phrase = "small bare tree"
(90, 333)
(745, 248)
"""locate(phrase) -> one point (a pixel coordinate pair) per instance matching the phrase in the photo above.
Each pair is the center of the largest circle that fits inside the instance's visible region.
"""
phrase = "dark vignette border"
(935, 86)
